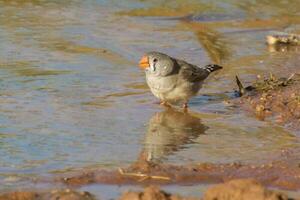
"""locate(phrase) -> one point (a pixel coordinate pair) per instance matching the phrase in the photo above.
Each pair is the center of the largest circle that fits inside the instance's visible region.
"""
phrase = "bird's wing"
(192, 73)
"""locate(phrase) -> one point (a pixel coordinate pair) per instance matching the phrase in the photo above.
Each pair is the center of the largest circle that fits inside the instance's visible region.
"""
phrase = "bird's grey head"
(157, 64)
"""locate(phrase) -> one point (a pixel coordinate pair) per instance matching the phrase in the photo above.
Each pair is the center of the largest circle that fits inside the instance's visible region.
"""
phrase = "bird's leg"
(185, 106)
(164, 103)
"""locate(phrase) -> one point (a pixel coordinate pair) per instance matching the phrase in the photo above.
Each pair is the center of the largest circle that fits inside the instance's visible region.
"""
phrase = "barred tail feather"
(212, 68)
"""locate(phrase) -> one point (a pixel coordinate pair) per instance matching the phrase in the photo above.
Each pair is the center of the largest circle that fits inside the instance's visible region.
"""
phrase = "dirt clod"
(242, 189)
(283, 38)
(66, 194)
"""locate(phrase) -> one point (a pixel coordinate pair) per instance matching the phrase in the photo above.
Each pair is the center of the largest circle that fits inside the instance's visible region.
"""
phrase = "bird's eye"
(155, 60)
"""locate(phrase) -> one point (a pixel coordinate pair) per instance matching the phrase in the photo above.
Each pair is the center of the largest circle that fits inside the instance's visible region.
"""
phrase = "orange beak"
(144, 63)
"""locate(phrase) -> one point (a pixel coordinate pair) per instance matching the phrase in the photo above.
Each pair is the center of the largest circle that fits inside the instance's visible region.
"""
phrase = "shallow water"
(72, 95)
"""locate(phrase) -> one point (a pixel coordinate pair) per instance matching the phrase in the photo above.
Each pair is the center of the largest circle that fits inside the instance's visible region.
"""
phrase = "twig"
(291, 76)
(143, 176)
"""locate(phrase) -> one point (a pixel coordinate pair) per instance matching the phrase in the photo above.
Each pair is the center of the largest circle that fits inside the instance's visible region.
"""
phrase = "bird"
(173, 80)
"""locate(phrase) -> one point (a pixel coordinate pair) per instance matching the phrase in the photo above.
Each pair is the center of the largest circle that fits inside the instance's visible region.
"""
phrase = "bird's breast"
(161, 84)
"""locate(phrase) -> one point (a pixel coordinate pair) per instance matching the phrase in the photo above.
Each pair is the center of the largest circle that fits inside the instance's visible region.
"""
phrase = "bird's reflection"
(168, 132)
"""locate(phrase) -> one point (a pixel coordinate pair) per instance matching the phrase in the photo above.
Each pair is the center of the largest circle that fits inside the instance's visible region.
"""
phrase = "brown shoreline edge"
(283, 174)
(241, 189)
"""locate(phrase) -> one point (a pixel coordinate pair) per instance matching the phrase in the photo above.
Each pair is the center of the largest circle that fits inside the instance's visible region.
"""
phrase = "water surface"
(72, 95)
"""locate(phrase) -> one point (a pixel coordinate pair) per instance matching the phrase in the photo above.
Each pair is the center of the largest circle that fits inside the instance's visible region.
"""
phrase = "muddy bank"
(240, 189)
(275, 99)
(284, 174)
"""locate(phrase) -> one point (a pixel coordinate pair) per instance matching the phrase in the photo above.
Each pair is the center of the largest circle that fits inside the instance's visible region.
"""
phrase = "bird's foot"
(166, 104)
